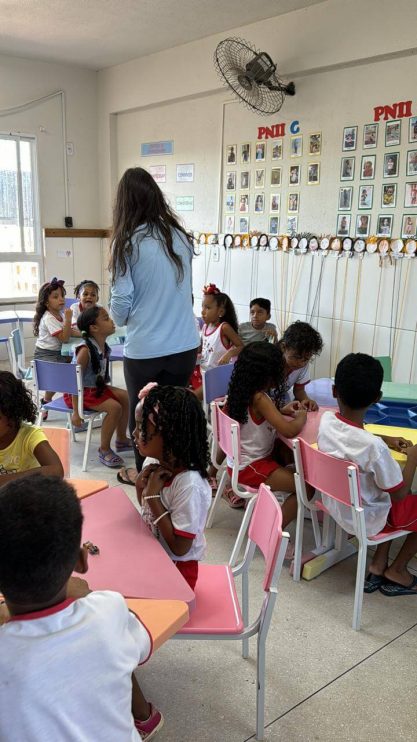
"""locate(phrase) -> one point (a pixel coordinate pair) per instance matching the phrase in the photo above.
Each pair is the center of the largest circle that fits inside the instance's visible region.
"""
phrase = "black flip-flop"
(373, 582)
(123, 480)
(392, 589)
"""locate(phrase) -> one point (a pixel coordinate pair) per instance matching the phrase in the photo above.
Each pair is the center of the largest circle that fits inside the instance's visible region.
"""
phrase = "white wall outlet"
(70, 148)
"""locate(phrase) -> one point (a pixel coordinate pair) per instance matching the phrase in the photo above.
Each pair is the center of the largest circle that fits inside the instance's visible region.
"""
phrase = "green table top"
(117, 338)
(399, 392)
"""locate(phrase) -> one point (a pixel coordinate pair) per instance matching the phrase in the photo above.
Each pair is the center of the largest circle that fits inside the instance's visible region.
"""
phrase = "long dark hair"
(179, 418)
(140, 201)
(224, 301)
(16, 402)
(84, 321)
(259, 367)
(41, 305)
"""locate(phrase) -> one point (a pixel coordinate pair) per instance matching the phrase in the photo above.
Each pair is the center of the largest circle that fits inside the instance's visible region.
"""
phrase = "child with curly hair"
(299, 344)
(24, 448)
(174, 492)
(254, 399)
(219, 335)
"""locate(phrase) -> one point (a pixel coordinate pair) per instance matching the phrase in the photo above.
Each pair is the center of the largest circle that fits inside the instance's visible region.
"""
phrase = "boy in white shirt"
(300, 343)
(384, 488)
(67, 654)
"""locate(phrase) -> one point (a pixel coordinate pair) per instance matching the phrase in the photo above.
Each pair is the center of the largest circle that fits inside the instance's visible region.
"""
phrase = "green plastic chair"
(386, 364)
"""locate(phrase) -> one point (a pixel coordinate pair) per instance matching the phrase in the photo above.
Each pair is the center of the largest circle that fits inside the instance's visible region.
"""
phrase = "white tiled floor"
(324, 681)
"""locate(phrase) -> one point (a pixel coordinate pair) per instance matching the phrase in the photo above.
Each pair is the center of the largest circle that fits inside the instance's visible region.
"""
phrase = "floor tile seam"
(334, 680)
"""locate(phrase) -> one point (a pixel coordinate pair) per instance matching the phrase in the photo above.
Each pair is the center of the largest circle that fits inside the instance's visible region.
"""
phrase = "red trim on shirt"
(44, 612)
(223, 339)
(395, 489)
(303, 384)
(149, 634)
(185, 534)
(207, 334)
(257, 422)
(58, 332)
(348, 422)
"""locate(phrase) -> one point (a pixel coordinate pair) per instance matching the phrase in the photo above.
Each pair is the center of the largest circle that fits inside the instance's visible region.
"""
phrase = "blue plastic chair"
(15, 348)
(65, 378)
(69, 301)
(216, 382)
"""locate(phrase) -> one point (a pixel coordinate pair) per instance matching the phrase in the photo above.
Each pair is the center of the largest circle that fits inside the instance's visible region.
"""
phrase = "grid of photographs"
(390, 166)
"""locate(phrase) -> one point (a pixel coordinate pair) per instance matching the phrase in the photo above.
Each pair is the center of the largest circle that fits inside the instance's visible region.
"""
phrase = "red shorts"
(196, 379)
(90, 399)
(257, 472)
(189, 571)
(403, 514)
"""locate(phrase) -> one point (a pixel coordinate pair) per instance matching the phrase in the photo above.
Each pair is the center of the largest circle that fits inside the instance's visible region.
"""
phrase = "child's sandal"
(110, 458)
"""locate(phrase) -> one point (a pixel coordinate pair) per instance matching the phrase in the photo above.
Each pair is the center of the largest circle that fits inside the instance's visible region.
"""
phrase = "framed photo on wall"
(275, 202)
(391, 164)
(231, 154)
(243, 224)
(229, 224)
(370, 136)
(410, 195)
(229, 207)
(296, 146)
(244, 180)
(260, 178)
(277, 149)
(366, 195)
(313, 173)
(412, 162)
(293, 202)
(345, 198)
(363, 225)
(393, 133)
(244, 203)
(389, 195)
(231, 180)
(343, 225)
(412, 129)
(259, 203)
(294, 175)
(368, 167)
(314, 143)
(292, 224)
(276, 176)
(245, 153)
(384, 225)
(350, 135)
(409, 225)
(273, 225)
(260, 152)
(347, 168)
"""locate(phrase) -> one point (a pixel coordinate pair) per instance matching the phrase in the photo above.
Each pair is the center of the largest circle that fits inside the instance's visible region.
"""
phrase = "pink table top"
(131, 560)
(310, 430)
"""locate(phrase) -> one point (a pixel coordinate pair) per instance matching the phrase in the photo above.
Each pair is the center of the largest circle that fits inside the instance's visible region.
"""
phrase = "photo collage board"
(365, 208)
(261, 179)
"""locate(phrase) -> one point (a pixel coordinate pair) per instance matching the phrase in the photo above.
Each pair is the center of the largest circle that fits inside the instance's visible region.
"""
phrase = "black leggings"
(175, 370)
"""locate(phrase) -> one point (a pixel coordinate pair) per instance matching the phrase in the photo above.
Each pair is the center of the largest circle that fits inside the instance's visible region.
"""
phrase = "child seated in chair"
(76, 649)
(299, 344)
(24, 448)
(258, 329)
(384, 488)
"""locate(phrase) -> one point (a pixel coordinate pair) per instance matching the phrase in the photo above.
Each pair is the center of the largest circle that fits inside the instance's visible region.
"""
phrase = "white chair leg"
(260, 689)
(217, 498)
(71, 427)
(298, 548)
(316, 528)
(242, 531)
(87, 442)
(360, 577)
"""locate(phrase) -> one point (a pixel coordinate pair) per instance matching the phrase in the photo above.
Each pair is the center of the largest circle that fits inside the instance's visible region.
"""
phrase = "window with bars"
(20, 239)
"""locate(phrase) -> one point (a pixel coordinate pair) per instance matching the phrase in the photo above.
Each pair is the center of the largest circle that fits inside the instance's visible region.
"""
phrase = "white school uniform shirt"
(49, 328)
(188, 498)
(65, 672)
(213, 347)
(379, 474)
(299, 377)
(257, 440)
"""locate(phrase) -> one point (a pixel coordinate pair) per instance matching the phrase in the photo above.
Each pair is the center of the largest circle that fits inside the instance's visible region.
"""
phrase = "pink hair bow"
(146, 389)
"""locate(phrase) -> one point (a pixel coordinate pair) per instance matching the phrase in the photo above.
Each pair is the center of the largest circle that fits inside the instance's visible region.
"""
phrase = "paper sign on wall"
(157, 148)
(184, 203)
(185, 173)
(158, 173)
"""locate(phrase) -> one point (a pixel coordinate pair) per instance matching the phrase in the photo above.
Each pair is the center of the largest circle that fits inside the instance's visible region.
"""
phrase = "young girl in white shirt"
(174, 491)
(87, 293)
(219, 335)
(256, 389)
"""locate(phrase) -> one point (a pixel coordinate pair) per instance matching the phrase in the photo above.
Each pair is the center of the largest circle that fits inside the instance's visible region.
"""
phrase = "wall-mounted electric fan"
(252, 75)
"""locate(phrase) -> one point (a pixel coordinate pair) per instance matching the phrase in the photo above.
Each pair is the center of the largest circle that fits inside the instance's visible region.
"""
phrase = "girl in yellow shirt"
(24, 448)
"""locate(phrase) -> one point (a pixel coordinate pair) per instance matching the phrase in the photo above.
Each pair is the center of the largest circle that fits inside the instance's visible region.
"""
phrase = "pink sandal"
(234, 501)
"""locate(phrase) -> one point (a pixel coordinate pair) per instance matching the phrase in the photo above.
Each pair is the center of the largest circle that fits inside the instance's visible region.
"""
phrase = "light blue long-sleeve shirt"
(152, 302)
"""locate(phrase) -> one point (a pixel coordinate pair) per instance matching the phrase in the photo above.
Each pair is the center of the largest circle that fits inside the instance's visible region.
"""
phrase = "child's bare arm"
(265, 407)
(408, 474)
(65, 333)
(236, 344)
(179, 545)
(50, 464)
(301, 396)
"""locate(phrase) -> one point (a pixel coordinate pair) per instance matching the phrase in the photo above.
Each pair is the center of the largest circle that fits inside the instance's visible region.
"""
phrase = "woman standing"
(150, 262)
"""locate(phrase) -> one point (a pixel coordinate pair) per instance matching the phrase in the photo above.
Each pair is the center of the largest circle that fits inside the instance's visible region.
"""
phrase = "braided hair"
(180, 420)
(259, 367)
(84, 321)
(41, 305)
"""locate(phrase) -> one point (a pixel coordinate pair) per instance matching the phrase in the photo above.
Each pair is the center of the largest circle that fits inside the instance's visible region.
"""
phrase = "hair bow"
(211, 288)
(146, 389)
(56, 283)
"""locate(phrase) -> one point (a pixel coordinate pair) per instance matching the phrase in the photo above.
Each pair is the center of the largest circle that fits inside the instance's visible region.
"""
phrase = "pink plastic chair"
(338, 479)
(218, 613)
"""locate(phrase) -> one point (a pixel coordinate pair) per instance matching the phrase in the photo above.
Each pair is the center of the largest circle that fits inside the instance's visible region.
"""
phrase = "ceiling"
(102, 33)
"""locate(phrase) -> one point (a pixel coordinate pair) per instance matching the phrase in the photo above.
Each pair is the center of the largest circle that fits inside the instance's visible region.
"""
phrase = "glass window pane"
(18, 280)
(27, 196)
(10, 238)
